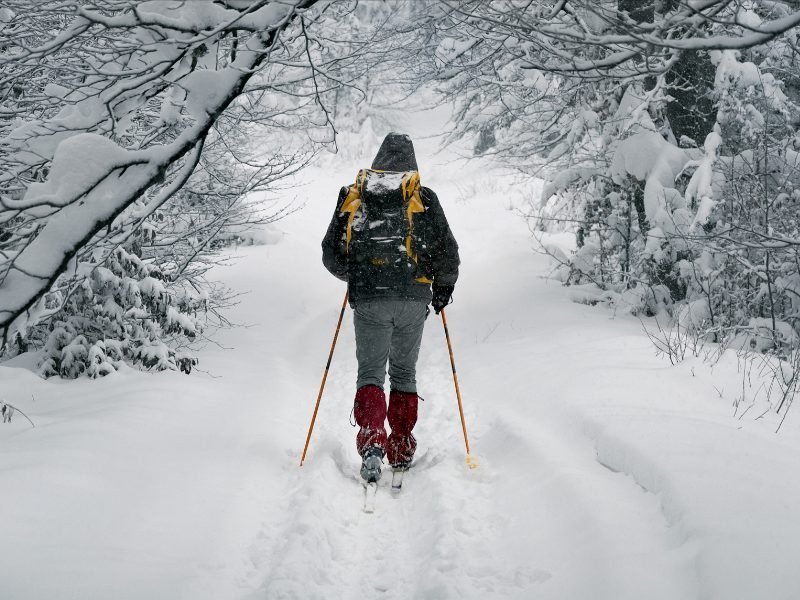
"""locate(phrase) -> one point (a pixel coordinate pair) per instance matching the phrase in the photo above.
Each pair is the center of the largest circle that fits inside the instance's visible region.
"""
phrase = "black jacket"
(432, 241)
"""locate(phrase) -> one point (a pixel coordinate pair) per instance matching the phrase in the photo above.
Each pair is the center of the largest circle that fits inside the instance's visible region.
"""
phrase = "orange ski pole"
(471, 462)
(324, 378)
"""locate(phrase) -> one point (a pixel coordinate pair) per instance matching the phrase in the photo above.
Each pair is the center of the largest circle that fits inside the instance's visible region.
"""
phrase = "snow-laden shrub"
(122, 312)
(710, 234)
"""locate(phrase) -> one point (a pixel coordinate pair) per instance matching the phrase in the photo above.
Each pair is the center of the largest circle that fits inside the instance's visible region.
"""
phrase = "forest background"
(135, 136)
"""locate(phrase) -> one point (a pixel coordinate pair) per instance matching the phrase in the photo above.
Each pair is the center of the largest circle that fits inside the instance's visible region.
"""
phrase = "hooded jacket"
(432, 240)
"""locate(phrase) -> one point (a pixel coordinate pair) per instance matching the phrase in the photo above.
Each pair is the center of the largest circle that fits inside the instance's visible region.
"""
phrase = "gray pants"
(389, 329)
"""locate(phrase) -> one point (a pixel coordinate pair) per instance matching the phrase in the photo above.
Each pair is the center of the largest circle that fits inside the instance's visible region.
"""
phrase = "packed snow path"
(605, 474)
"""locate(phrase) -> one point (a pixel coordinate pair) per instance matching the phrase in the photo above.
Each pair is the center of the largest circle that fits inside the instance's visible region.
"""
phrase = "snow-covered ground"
(605, 473)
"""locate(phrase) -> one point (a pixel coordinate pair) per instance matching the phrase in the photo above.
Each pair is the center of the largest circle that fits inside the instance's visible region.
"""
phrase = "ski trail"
(353, 552)
(426, 542)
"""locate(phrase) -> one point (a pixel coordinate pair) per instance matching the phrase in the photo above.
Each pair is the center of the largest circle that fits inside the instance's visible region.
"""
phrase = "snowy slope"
(605, 473)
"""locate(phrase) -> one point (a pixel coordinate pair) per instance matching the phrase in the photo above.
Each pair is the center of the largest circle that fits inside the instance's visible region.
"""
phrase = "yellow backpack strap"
(411, 192)
(410, 184)
(351, 204)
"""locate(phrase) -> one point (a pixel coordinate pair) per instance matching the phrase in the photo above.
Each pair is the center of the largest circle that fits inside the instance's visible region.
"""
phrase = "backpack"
(379, 237)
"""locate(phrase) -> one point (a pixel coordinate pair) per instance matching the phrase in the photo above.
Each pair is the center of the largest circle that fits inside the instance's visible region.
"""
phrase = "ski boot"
(371, 461)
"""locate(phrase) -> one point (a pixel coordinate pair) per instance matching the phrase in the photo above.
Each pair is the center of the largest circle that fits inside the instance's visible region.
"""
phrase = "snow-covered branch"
(116, 96)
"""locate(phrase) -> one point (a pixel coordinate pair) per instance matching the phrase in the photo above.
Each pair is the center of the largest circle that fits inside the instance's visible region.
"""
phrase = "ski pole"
(472, 463)
(324, 377)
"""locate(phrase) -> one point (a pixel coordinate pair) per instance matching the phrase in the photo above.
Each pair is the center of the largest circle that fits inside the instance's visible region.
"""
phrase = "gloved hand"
(441, 297)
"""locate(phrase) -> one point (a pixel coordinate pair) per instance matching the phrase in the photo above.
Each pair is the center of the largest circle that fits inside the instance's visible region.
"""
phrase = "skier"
(390, 241)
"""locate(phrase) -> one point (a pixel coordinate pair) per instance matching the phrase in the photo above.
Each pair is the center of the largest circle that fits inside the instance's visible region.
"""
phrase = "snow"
(605, 473)
(693, 315)
(79, 163)
(152, 287)
(565, 178)
(206, 89)
(171, 106)
(450, 49)
(700, 189)
(55, 90)
(202, 15)
(745, 75)
(648, 157)
(197, 15)
(34, 140)
(381, 182)
(181, 320)
(748, 18)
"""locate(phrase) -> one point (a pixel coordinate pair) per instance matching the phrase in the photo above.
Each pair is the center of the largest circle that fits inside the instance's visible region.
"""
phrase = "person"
(390, 241)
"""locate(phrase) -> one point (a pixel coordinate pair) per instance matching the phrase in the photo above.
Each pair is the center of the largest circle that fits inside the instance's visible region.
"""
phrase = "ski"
(397, 478)
(370, 491)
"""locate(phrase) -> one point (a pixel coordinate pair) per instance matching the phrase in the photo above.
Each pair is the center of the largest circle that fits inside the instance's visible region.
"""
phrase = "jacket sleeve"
(442, 245)
(334, 252)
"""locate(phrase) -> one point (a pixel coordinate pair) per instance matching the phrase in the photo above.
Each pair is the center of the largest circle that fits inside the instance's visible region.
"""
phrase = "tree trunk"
(692, 112)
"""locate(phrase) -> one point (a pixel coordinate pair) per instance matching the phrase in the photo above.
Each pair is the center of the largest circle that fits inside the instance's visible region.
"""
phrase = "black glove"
(442, 295)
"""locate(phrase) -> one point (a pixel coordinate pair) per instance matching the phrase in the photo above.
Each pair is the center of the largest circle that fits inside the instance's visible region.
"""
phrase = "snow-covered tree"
(130, 135)
(632, 111)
